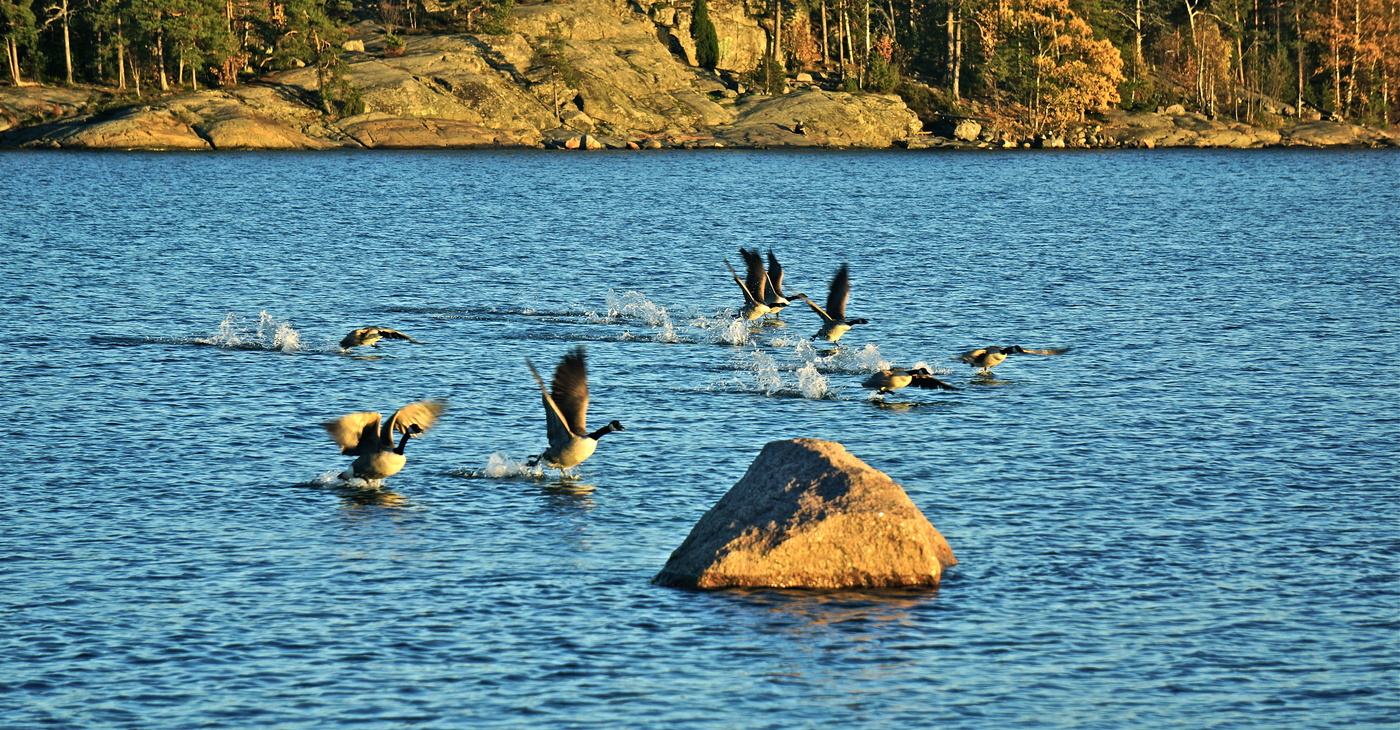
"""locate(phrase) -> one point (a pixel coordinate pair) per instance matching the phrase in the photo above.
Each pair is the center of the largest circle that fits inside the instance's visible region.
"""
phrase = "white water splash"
(269, 333)
(500, 466)
(765, 370)
(635, 305)
(812, 384)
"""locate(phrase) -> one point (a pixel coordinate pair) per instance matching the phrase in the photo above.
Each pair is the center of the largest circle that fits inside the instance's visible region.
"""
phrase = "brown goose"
(776, 299)
(361, 435)
(887, 381)
(833, 317)
(371, 335)
(754, 285)
(986, 358)
(566, 414)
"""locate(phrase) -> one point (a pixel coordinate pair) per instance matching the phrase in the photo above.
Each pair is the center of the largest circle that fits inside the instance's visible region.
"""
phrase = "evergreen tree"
(706, 39)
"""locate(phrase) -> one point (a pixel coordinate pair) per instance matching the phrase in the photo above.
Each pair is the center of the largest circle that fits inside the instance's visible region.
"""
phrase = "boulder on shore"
(808, 514)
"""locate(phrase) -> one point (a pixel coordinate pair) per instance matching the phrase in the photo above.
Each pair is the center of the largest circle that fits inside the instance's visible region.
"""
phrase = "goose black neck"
(402, 443)
(614, 426)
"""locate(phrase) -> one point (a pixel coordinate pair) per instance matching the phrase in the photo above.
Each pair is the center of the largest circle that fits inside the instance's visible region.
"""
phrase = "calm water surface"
(1186, 521)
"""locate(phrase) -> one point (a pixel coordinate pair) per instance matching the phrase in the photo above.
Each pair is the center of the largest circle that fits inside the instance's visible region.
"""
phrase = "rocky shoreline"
(635, 88)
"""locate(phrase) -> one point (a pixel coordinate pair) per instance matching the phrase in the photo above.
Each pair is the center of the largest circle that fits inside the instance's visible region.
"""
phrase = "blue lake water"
(1188, 520)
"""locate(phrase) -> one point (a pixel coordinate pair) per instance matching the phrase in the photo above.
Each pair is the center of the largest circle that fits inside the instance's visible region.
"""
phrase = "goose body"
(986, 358)
(886, 381)
(566, 414)
(372, 443)
(834, 322)
(372, 335)
(754, 285)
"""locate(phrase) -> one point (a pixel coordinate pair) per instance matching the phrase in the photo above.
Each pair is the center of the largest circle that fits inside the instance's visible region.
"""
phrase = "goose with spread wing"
(363, 436)
(754, 285)
(886, 381)
(776, 299)
(986, 358)
(566, 414)
(834, 322)
(371, 336)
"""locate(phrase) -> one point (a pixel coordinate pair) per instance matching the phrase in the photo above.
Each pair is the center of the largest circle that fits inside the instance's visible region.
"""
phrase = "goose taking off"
(887, 381)
(776, 299)
(833, 317)
(986, 358)
(754, 285)
(361, 435)
(566, 414)
(371, 335)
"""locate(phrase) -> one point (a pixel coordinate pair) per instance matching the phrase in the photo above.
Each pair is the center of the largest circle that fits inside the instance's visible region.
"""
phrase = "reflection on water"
(568, 496)
(365, 496)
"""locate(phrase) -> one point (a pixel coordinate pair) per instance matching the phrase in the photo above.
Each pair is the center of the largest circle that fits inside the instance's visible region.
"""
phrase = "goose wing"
(395, 335)
(748, 295)
(555, 426)
(928, 382)
(815, 308)
(416, 418)
(355, 434)
(755, 278)
(1047, 351)
(570, 390)
(839, 292)
(775, 275)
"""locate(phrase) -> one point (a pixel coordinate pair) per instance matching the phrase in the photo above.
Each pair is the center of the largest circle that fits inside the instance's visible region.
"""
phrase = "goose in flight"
(887, 381)
(833, 317)
(361, 435)
(754, 285)
(776, 299)
(566, 414)
(372, 335)
(986, 358)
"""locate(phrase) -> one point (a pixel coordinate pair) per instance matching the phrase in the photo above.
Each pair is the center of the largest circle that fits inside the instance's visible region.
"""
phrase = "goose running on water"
(986, 358)
(371, 336)
(886, 381)
(833, 317)
(377, 457)
(566, 414)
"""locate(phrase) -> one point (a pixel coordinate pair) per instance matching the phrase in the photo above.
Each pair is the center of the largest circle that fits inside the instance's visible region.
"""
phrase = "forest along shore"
(615, 82)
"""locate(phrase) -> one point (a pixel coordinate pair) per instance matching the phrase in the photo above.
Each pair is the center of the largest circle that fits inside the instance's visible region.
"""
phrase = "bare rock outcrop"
(808, 514)
(832, 118)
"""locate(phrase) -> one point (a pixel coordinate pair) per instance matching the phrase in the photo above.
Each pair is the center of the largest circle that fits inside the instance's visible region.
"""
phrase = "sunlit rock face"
(808, 514)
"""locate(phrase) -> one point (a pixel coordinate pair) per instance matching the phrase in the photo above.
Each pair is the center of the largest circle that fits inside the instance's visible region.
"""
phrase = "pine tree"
(706, 40)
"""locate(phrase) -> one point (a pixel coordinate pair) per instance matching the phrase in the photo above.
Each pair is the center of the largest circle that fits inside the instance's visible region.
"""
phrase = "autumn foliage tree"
(1049, 60)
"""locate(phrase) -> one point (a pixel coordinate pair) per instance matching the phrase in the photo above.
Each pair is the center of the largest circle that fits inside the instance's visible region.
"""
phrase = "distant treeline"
(1048, 59)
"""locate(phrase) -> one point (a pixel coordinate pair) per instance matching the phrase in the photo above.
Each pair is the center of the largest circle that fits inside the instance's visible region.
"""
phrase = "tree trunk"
(67, 45)
(12, 59)
(778, 35)
(135, 74)
(121, 56)
(958, 54)
(160, 61)
(826, 48)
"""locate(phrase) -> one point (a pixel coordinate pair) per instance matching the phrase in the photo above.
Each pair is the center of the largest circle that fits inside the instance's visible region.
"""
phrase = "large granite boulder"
(808, 514)
(834, 118)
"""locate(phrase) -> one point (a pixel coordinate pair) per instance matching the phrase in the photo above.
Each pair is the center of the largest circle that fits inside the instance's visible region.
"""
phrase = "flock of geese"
(371, 440)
